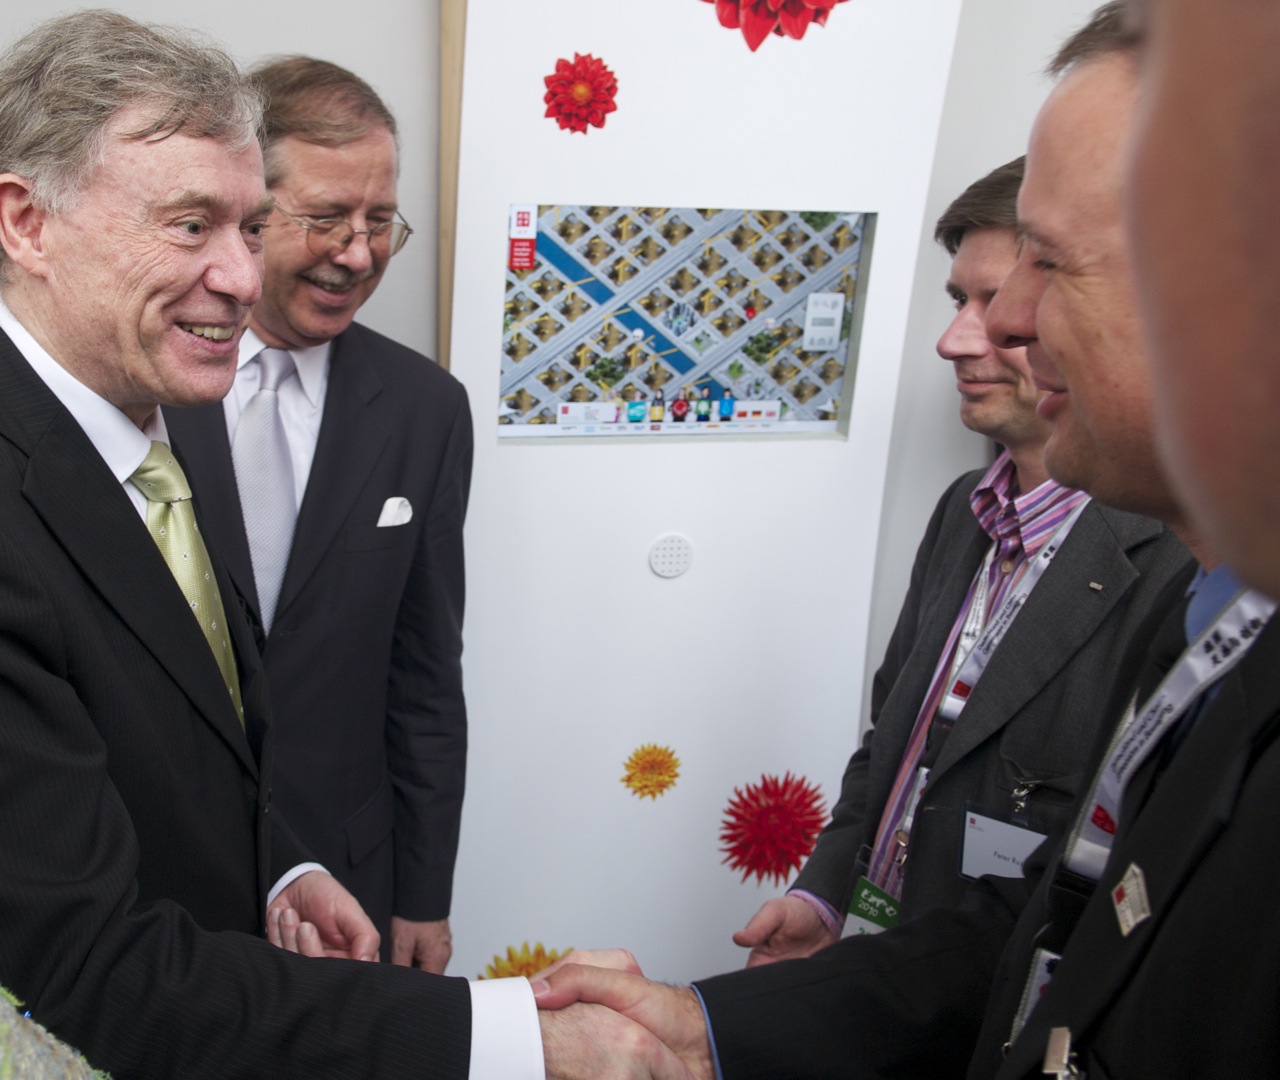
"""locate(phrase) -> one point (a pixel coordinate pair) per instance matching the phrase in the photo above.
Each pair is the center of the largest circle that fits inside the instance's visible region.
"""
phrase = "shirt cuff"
(506, 1039)
(711, 1035)
(825, 911)
(290, 876)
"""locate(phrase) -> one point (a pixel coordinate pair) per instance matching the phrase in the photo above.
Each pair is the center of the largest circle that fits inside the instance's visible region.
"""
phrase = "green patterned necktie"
(172, 522)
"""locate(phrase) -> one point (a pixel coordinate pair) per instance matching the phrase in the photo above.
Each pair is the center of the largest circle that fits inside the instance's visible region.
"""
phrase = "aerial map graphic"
(649, 321)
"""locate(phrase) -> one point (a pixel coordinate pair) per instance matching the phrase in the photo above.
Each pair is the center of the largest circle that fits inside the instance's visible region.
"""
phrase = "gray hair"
(63, 83)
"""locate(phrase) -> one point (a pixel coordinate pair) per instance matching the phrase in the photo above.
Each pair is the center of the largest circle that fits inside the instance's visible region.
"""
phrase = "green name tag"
(871, 910)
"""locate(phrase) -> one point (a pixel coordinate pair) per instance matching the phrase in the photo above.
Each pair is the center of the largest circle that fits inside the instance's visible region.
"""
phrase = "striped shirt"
(1019, 525)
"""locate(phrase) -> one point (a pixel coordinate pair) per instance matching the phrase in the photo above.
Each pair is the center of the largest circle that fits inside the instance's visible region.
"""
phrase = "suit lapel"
(1060, 616)
(200, 438)
(938, 615)
(349, 444)
(1170, 836)
(84, 508)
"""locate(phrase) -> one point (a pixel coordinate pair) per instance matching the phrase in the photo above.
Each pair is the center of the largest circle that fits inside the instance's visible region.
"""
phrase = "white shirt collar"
(120, 442)
(311, 363)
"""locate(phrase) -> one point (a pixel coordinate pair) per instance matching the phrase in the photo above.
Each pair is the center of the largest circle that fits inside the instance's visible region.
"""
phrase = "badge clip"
(1059, 1059)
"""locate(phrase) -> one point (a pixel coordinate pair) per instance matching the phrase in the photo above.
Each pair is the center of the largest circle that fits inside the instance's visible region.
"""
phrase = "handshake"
(603, 1020)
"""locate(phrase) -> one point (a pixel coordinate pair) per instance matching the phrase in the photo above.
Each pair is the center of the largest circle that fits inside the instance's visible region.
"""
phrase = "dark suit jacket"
(1193, 991)
(136, 851)
(364, 656)
(908, 1004)
(1033, 715)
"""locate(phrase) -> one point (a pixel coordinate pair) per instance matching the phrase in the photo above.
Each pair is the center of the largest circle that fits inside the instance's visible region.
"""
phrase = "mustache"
(339, 278)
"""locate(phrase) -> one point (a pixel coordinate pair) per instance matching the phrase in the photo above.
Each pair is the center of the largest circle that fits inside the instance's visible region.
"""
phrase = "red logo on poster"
(521, 255)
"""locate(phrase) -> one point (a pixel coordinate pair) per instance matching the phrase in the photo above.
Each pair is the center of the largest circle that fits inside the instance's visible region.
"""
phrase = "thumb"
(761, 927)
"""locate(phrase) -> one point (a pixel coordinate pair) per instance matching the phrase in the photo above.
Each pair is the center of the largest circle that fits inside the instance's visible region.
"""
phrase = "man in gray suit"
(924, 809)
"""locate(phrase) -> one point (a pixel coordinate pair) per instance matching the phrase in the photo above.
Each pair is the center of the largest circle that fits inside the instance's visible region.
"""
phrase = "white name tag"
(995, 847)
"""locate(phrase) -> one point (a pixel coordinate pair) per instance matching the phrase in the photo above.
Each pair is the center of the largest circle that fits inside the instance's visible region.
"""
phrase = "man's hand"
(786, 928)
(315, 916)
(670, 1013)
(613, 959)
(588, 1042)
(424, 945)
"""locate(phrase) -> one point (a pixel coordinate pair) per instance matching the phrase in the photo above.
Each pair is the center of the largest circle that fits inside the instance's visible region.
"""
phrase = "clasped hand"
(602, 1019)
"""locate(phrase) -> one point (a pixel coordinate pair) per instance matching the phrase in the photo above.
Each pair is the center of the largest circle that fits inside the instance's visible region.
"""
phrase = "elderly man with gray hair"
(141, 862)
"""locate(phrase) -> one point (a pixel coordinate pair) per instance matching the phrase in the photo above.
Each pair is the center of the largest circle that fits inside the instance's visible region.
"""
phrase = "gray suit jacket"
(1032, 717)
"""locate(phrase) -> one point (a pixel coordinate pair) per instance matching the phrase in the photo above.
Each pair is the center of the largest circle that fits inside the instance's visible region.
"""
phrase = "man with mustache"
(337, 502)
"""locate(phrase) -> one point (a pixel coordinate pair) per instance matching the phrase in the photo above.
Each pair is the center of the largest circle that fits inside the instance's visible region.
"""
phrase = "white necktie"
(264, 476)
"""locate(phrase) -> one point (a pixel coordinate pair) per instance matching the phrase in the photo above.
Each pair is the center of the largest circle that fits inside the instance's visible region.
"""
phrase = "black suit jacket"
(364, 656)
(1032, 718)
(135, 811)
(1193, 991)
(907, 1004)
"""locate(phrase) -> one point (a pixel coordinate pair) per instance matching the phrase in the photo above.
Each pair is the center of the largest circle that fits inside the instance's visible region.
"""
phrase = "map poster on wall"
(651, 321)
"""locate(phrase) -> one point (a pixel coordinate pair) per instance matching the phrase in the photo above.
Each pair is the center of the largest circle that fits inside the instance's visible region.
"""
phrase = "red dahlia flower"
(758, 18)
(769, 827)
(580, 93)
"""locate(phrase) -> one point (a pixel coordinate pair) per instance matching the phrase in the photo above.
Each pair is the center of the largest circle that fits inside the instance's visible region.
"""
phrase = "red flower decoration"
(770, 827)
(759, 18)
(580, 93)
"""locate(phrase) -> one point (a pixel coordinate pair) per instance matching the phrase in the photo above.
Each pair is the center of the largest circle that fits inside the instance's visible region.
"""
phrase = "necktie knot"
(277, 365)
(160, 478)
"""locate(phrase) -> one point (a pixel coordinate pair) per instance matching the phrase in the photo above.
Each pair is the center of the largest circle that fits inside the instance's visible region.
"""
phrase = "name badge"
(995, 847)
(871, 910)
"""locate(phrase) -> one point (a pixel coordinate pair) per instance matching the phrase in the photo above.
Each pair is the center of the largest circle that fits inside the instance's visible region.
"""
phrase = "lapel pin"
(1096, 586)
(1130, 899)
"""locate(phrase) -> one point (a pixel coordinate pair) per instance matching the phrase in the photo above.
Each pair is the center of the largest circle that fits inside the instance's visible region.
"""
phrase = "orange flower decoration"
(651, 769)
(580, 93)
(759, 18)
(522, 961)
(770, 827)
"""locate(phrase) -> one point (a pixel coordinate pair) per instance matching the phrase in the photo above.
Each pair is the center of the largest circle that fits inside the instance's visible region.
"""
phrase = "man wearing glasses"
(334, 477)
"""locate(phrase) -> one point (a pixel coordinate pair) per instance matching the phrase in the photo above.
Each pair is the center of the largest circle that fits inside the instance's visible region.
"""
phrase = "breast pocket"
(373, 537)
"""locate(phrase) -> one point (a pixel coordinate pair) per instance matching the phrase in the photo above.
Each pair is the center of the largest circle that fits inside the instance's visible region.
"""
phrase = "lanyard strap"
(1217, 649)
(961, 683)
(954, 666)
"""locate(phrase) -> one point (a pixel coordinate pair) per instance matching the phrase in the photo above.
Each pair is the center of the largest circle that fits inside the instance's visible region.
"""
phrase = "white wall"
(577, 653)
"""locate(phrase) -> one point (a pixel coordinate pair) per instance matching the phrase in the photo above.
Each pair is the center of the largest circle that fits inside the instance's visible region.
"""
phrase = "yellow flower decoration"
(651, 769)
(522, 962)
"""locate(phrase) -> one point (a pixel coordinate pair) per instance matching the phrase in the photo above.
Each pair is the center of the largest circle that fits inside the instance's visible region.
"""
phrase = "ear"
(21, 223)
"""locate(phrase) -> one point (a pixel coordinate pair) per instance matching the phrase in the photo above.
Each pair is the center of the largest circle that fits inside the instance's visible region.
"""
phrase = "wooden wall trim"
(453, 26)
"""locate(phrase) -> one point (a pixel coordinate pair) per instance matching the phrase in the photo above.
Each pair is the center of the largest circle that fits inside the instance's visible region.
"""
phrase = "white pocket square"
(395, 511)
